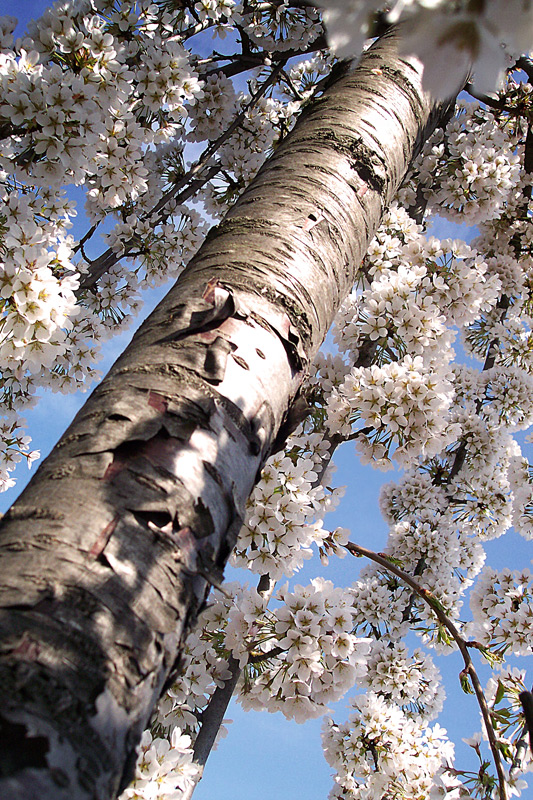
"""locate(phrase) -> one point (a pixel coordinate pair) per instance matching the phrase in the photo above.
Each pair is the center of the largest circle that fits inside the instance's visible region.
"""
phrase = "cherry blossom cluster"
(56, 99)
(382, 752)
(278, 26)
(448, 272)
(205, 661)
(469, 171)
(411, 681)
(296, 658)
(38, 301)
(46, 338)
(502, 607)
(317, 658)
(404, 402)
(285, 510)
(427, 539)
(419, 288)
(520, 477)
(509, 396)
(164, 770)
(244, 151)
(15, 447)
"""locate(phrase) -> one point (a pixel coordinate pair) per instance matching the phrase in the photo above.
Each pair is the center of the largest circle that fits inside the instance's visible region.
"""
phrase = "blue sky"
(265, 757)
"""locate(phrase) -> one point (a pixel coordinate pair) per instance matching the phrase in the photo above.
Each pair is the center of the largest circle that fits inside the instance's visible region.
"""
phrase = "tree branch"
(445, 621)
(246, 61)
(219, 701)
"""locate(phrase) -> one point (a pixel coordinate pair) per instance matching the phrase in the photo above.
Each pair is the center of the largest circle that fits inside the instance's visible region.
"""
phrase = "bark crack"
(363, 159)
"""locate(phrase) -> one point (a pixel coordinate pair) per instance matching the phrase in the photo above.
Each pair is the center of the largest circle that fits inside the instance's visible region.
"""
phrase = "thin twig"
(86, 237)
(244, 62)
(431, 601)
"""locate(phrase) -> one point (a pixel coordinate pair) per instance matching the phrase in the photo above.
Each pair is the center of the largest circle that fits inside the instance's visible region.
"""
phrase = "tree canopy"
(158, 117)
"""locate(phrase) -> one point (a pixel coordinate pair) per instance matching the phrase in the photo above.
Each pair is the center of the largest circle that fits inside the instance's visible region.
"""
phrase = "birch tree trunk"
(107, 555)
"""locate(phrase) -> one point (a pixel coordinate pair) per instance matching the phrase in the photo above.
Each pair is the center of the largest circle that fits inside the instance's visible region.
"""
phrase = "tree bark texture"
(106, 557)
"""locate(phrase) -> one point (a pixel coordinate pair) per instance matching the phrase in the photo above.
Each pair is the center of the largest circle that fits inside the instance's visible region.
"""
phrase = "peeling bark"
(107, 555)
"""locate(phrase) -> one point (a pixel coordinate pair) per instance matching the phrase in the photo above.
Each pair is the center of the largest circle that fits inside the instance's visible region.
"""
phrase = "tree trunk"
(107, 555)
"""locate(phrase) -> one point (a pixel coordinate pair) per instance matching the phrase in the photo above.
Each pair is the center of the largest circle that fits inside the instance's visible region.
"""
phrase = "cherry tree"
(108, 556)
